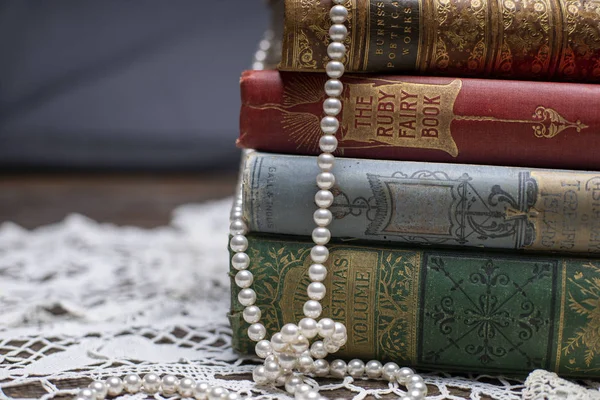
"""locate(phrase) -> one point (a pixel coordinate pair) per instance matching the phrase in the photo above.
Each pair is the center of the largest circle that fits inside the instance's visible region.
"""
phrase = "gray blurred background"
(124, 85)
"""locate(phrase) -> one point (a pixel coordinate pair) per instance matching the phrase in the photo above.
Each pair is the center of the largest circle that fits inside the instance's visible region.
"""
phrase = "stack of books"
(466, 213)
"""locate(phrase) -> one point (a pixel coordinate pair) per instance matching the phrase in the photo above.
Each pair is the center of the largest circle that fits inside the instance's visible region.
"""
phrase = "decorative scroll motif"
(460, 212)
(494, 306)
(585, 302)
(582, 54)
(547, 122)
(309, 23)
(374, 291)
(461, 36)
(527, 37)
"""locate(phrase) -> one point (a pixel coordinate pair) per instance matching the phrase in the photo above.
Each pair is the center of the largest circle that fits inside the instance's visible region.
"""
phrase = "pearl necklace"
(288, 350)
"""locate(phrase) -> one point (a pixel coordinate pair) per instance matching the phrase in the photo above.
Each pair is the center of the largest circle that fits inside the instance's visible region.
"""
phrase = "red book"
(418, 118)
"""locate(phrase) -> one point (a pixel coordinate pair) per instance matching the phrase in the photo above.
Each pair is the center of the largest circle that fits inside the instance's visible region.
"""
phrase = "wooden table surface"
(144, 200)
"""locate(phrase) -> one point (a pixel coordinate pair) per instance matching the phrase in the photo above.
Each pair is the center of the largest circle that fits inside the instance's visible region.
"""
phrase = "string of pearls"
(290, 350)
(289, 355)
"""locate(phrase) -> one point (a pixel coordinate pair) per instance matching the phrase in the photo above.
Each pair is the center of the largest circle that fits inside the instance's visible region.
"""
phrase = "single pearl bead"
(330, 125)
(272, 370)
(287, 361)
(308, 327)
(217, 392)
(100, 389)
(252, 314)
(325, 161)
(413, 379)
(340, 332)
(356, 368)
(292, 382)
(240, 261)
(334, 69)
(319, 254)
(334, 87)
(263, 349)
(338, 32)
(151, 383)
(338, 14)
(238, 243)
(289, 333)
(186, 387)
(373, 369)
(324, 198)
(277, 342)
(328, 143)
(272, 357)
(232, 396)
(415, 394)
(300, 345)
(321, 367)
(247, 297)
(169, 384)
(322, 217)
(321, 236)
(330, 346)
(310, 395)
(114, 386)
(339, 342)
(244, 279)
(317, 349)
(338, 368)
(305, 364)
(312, 309)
(325, 180)
(257, 332)
(316, 291)
(336, 51)
(132, 383)
(317, 272)
(259, 375)
(302, 389)
(403, 375)
(332, 106)
(326, 327)
(202, 388)
(87, 394)
(389, 371)
(421, 386)
(238, 227)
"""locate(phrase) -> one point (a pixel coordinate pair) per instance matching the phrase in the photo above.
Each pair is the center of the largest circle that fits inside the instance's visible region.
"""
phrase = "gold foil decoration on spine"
(527, 38)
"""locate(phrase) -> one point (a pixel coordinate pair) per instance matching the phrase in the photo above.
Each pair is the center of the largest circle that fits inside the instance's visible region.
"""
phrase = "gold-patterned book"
(437, 309)
(519, 39)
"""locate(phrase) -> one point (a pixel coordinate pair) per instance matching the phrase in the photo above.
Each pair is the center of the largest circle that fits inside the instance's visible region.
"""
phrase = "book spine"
(541, 39)
(470, 311)
(548, 125)
(429, 203)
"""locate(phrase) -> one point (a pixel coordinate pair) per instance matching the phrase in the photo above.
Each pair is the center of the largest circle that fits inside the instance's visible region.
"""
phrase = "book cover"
(428, 203)
(462, 310)
(480, 121)
(518, 39)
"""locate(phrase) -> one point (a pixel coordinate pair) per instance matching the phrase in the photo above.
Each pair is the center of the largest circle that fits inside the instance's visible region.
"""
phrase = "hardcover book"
(437, 309)
(519, 39)
(480, 121)
(428, 203)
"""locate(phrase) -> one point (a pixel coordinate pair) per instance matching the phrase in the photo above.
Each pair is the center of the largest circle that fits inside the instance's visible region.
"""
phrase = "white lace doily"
(81, 299)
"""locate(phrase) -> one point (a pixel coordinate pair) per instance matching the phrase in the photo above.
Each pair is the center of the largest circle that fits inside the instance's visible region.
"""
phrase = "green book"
(461, 310)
